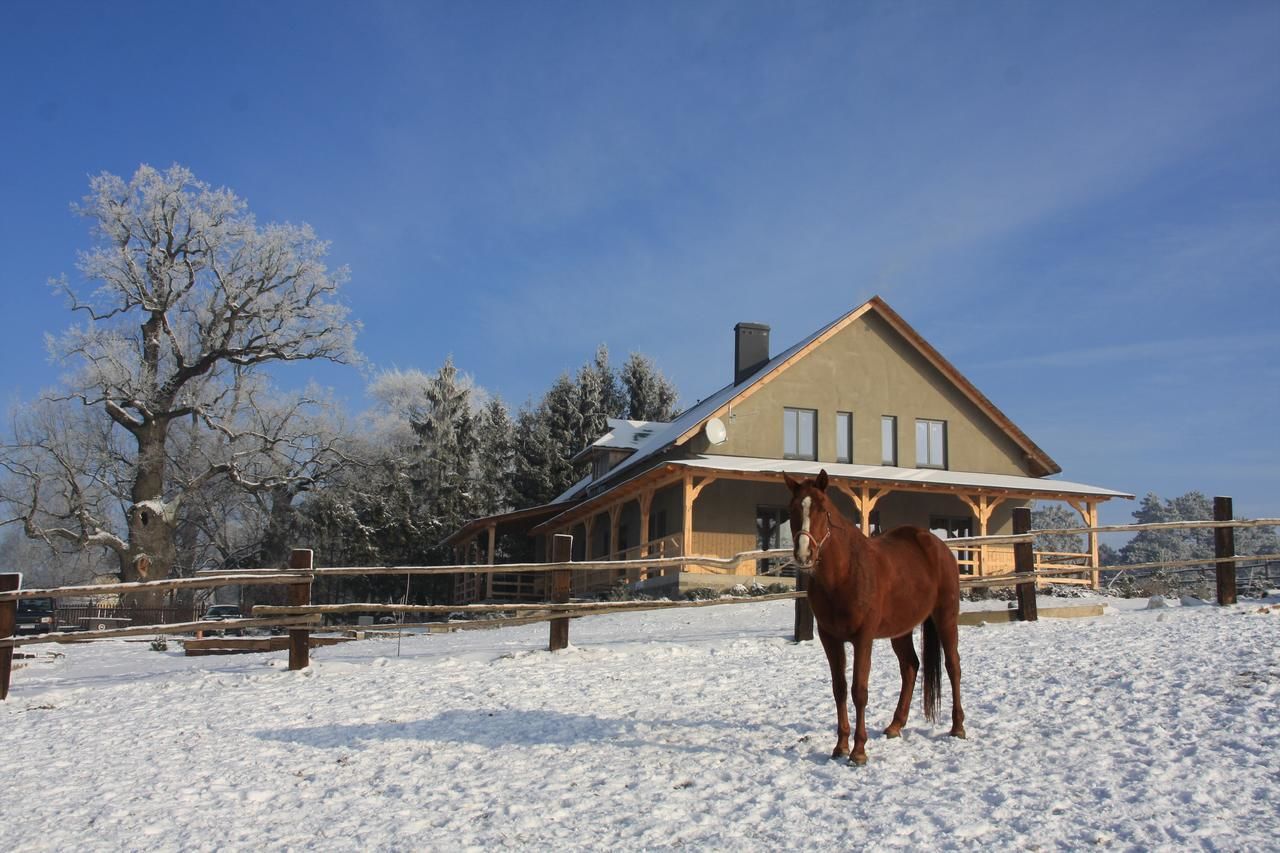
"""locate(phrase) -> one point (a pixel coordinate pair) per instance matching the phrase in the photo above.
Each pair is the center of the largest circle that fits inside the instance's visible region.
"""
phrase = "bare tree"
(190, 298)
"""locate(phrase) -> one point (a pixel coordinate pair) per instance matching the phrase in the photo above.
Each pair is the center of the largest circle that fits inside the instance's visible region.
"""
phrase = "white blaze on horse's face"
(803, 539)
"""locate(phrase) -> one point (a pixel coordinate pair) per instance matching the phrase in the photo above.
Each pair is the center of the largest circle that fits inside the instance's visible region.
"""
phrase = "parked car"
(219, 612)
(36, 616)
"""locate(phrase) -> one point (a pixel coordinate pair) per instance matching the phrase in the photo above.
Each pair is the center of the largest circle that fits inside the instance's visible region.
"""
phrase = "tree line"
(168, 447)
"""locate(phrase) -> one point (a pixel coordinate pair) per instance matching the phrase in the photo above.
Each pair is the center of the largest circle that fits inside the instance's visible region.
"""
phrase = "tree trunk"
(152, 550)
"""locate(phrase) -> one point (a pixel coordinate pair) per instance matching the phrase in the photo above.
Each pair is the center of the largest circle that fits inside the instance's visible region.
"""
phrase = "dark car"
(219, 612)
(36, 616)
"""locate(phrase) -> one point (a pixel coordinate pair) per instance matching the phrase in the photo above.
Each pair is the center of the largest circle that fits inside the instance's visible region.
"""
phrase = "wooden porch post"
(1094, 559)
(646, 504)
(493, 551)
(1089, 514)
(691, 493)
(615, 517)
(982, 508)
(686, 531)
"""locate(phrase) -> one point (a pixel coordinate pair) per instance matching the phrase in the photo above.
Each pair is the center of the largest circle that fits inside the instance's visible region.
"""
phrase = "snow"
(1140, 729)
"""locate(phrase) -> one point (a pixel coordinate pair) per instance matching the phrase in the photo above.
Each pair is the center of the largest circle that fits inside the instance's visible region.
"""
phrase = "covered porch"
(721, 506)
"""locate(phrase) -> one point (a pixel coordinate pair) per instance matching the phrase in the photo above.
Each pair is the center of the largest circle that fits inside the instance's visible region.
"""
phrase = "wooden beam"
(587, 524)
(493, 552)
(615, 515)
(645, 500)
(1224, 545)
(561, 582)
(8, 627)
(300, 559)
(686, 543)
(1024, 564)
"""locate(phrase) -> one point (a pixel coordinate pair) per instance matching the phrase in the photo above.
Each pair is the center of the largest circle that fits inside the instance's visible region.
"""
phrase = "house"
(903, 435)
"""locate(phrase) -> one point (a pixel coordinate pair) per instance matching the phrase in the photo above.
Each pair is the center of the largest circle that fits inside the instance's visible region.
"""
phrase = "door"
(773, 530)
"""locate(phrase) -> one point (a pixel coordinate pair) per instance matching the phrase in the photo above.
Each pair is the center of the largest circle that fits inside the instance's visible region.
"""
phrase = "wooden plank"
(248, 645)
(8, 627)
(157, 630)
(300, 594)
(1224, 545)
(1024, 562)
(210, 581)
(561, 582)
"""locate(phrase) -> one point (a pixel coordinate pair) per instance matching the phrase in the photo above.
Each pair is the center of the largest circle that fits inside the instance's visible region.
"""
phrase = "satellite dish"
(715, 431)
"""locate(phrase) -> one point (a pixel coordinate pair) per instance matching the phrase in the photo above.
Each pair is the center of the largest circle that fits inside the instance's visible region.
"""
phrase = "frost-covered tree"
(1056, 517)
(650, 395)
(495, 458)
(1151, 546)
(445, 454)
(186, 299)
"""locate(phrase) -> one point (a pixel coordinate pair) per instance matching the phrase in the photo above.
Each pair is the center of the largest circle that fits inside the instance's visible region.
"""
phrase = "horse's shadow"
(493, 728)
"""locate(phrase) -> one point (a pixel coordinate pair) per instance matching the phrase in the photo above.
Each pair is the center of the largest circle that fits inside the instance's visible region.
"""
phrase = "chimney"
(750, 350)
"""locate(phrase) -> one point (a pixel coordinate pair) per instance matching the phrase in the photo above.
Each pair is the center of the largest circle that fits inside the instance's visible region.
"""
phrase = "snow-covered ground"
(1141, 729)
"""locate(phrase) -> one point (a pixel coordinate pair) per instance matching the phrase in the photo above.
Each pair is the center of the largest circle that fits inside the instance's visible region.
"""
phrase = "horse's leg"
(861, 672)
(949, 634)
(908, 665)
(834, 647)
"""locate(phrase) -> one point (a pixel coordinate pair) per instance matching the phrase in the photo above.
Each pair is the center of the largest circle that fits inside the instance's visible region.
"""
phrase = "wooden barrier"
(300, 594)
(1024, 560)
(1224, 545)
(8, 627)
(561, 584)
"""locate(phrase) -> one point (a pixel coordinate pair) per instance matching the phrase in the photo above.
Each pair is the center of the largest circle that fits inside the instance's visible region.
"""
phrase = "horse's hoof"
(892, 732)
(840, 752)
(857, 760)
(958, 732)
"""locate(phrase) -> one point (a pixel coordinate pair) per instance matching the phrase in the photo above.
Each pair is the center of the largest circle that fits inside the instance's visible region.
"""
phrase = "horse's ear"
(821, 482)
(792, 483)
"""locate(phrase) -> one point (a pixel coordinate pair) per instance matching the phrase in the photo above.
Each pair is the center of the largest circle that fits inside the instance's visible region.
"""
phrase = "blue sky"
(1078, 204)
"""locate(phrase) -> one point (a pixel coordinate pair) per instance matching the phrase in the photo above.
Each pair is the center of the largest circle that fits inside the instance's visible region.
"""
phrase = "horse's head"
(810, 516)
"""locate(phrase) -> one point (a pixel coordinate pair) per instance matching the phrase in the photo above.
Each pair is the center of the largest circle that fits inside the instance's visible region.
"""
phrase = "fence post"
(1024, 560)
(1224, 545)
(300, 559)
(8, 627)
(804, 614)
(561, 583)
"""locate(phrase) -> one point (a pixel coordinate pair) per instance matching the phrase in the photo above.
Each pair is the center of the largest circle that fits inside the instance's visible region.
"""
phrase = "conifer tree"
(650, 395)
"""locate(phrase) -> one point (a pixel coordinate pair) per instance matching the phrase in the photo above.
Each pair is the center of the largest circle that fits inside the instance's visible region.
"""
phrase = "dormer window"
(799, 434)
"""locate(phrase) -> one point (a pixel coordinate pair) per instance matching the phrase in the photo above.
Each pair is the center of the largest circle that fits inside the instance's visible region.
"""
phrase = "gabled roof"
(687, 424)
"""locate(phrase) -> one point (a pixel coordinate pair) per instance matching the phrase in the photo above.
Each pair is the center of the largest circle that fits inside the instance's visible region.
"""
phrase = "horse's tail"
(932, 669)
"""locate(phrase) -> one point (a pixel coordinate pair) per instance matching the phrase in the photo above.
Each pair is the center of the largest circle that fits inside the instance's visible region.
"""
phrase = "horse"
(862, 589)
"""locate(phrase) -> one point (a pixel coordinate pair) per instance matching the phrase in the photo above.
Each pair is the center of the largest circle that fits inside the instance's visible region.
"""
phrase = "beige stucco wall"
(869, 370)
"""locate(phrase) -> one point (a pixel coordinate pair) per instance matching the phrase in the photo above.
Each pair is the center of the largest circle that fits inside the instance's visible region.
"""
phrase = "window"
(889, 440)
(931, 444)
(799, 434)
(844, 436)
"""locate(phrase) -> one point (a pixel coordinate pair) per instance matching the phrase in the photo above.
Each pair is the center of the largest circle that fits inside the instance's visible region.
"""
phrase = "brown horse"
(862, 589)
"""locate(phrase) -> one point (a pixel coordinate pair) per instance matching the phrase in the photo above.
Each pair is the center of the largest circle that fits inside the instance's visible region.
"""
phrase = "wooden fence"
(300, 617)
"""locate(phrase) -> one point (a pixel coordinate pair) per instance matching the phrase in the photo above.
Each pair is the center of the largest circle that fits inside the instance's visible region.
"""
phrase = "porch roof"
(899, 479)
(904, 477)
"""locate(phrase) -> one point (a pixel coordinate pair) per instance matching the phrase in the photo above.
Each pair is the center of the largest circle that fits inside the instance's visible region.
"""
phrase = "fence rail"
(300, 616)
